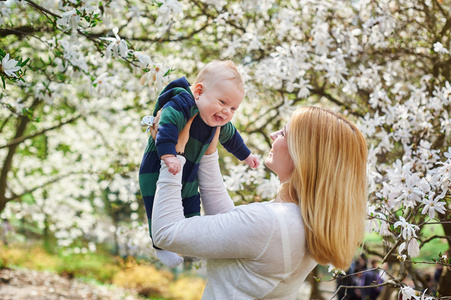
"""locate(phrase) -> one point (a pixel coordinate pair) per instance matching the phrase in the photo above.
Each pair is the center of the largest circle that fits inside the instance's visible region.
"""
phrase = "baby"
(210, 103)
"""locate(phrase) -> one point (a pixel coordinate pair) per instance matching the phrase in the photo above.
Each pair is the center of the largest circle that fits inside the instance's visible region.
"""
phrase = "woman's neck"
(283, 197)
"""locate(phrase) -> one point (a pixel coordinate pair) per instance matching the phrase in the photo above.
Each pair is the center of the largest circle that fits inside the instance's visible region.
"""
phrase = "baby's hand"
(252, 161)
(172, 162)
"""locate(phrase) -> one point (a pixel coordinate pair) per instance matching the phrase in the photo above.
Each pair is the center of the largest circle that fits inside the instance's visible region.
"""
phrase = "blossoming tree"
(79, 75)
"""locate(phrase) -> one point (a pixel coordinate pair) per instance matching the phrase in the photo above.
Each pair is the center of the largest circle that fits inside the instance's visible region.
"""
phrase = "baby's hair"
(220, 70)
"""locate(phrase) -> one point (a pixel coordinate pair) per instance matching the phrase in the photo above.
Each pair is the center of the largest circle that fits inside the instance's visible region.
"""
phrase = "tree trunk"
(115, 216)
(7, 163)
(445, 280)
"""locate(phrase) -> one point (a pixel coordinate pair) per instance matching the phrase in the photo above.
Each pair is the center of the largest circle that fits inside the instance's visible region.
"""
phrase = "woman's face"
(279, 160)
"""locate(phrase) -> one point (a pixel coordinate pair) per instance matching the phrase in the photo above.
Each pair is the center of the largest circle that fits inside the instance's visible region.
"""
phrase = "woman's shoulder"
(272, 210)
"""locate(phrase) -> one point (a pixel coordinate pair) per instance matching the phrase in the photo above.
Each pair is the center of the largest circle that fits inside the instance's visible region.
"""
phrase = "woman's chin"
(268, 162)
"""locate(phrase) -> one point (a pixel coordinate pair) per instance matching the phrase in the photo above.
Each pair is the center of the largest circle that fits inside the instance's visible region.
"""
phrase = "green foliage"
(101, 267)
(428, 251)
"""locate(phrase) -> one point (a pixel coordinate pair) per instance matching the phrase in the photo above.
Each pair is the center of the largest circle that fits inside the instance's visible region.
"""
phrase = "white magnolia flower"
(413, 248)
(9, 66)
(234, 182)
(408, 230)
(304, 88)
(144, 59)
(69, 19)
(423, 297)
(5, 13)
(438, 47)
(166, 10)
(432, 205)
(268, 189)
(321, 39)
(116, 45)
(409, 293)
(335, 271)
(103, 85)
(155, 77)
(402, 247)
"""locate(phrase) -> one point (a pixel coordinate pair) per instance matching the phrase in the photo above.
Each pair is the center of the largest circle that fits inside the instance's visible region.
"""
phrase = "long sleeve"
(243, 232)
(173, 118)
(233, 142)
(213, 193)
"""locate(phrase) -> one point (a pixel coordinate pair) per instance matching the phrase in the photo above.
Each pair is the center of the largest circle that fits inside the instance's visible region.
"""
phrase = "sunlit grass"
(103, 268)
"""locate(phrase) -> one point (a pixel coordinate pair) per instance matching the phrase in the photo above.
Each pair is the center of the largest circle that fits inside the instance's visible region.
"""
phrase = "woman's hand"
(212, 148)
(183, 135)
(154, 128)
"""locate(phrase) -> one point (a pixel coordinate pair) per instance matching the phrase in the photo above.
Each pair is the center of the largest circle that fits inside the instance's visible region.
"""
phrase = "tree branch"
(434, 237)
(329, 97)
(398, 242)
(22, 31)
(42, 9)
(20, 139)
(394, 283)
(53, 180)
(446, 27)
(161, 40)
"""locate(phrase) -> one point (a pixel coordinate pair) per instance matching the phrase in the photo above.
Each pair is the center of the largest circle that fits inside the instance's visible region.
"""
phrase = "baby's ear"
(198, 89)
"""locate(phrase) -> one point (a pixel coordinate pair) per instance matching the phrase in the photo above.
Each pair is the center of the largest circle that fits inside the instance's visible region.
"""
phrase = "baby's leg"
(148, 176)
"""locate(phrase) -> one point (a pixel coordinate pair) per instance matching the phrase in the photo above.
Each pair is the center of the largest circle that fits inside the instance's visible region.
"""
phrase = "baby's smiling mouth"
(217, 118)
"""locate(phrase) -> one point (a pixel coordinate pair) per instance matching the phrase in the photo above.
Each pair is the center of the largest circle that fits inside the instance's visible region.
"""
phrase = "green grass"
(98, 266)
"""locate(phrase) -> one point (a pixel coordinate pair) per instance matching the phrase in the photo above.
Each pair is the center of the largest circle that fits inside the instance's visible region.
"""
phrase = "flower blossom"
(268, 189)
(409, 293)
(165, 11)
(408, 230)
(103, 85)
(9, 66)
(69, 19)
(438, 47)
(423, 297)
(155, 77)
(116, 45)
(304, 88)
(413, 248)
(335, 271)
(432, 205)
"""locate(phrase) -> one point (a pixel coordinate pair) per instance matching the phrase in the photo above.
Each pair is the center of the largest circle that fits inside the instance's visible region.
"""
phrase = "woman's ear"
(197, 91)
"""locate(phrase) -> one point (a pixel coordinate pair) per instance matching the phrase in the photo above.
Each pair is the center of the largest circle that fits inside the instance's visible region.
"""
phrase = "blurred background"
(79, 75)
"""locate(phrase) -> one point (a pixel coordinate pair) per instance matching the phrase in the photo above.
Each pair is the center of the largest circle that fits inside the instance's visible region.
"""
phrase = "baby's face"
(218, 102)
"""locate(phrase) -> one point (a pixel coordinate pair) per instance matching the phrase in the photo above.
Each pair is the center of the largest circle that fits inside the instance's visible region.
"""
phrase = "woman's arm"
(243, 232)
(214, 196)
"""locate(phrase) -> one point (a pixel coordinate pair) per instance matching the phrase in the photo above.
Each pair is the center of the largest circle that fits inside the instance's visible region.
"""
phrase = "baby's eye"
(283, 133)
(222, 102)
(233, 108)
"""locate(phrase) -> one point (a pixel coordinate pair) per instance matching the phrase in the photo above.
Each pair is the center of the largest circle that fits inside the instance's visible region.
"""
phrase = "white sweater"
(255, 251)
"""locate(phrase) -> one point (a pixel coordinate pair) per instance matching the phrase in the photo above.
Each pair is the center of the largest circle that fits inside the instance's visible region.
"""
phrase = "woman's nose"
(273, 136)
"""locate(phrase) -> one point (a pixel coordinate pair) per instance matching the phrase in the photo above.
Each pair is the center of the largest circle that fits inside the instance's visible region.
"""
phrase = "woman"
(266, 250)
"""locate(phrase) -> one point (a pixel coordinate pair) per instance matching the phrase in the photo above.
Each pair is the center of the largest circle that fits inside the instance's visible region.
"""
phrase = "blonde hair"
(219, 70)
(328, 183)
